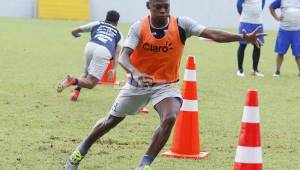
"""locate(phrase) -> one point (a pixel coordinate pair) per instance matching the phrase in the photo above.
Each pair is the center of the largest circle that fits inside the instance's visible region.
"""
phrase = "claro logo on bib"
(156, 48)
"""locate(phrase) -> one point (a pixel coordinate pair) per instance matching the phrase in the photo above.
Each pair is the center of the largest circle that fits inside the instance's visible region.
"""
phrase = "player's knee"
(112, 121)
(91, 81)
(169, 121)
(104, 124)
(280, 55)
(91, 84)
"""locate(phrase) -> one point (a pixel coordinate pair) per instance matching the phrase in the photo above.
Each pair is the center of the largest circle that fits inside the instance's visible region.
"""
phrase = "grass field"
(40, 128)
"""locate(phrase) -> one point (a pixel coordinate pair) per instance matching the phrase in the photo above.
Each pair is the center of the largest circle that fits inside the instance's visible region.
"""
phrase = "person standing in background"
(289, 31)
(250, 18)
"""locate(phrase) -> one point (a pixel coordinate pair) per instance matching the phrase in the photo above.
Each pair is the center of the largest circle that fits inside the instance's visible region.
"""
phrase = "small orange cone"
(249, 151)
(186, 132)
(105, 80)
(143, 109)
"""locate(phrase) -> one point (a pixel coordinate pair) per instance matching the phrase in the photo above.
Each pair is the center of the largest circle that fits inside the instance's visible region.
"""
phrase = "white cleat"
(276, 74)
(240, 74)
(258, 74)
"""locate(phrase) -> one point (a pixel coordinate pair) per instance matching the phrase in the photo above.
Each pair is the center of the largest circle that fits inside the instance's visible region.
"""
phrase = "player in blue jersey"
(251, 18)
(105, 45)
(289, 31)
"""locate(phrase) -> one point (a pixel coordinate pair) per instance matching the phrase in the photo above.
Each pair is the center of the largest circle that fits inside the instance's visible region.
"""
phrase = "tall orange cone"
(249, 151)
(105, 80)
(143, 109)
(186, 132)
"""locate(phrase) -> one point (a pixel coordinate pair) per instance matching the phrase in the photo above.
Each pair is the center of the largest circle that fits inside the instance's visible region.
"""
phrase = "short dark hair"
(112, 16)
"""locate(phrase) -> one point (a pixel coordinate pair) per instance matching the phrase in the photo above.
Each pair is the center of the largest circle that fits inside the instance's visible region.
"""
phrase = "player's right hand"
(142, 79)
(77, 35)
(253, 37)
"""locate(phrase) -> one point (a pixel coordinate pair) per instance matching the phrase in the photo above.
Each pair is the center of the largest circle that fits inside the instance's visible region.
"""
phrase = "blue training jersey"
(106, 35)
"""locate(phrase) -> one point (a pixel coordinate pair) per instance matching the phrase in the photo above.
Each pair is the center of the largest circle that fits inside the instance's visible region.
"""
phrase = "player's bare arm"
(274, 14)
(114, 63)
(223, 37)
(116, 58)
(124, 60)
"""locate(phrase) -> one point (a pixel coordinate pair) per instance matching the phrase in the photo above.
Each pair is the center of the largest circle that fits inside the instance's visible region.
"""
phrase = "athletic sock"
(147, 160)
(78, 88)
(83, 148)
(255, 57)
(240, 56)
(76, 81)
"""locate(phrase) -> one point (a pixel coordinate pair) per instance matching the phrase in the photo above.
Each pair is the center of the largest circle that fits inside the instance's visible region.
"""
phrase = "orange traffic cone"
(143, 109)
(249, 151)
(186, 133)
(105, 80)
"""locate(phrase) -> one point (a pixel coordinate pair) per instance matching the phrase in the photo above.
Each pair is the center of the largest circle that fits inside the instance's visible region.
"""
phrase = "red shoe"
(74, 95)
(69, 81)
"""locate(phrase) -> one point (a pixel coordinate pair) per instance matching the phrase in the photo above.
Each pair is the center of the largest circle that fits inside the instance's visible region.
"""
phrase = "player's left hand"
(253, 37)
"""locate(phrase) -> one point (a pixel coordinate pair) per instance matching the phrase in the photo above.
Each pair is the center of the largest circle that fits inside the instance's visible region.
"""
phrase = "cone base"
(201, 155)
(253, 166)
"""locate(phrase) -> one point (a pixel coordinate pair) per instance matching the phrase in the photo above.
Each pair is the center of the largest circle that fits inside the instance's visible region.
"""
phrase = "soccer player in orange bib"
(152, 54)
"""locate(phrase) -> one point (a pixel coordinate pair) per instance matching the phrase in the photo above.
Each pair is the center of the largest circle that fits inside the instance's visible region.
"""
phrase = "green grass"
(40, 128)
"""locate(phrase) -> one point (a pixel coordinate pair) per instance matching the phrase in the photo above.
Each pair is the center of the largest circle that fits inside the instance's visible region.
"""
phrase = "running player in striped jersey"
(105, 45)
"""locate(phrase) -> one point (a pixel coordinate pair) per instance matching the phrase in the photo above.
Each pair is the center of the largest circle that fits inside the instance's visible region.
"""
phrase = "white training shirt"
(191, 27)
(290, 11)
(252, 12)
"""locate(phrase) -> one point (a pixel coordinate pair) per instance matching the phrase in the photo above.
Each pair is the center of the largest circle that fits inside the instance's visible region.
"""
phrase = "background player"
(105, 45)
(251, 18)
(289, 31)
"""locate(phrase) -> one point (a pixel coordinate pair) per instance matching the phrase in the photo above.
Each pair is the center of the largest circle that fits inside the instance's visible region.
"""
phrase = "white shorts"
(96, 59)
(131, 98)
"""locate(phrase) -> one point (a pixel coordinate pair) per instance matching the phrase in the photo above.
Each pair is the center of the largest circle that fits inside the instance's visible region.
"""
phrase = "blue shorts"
(285, 39)
(250, 28)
